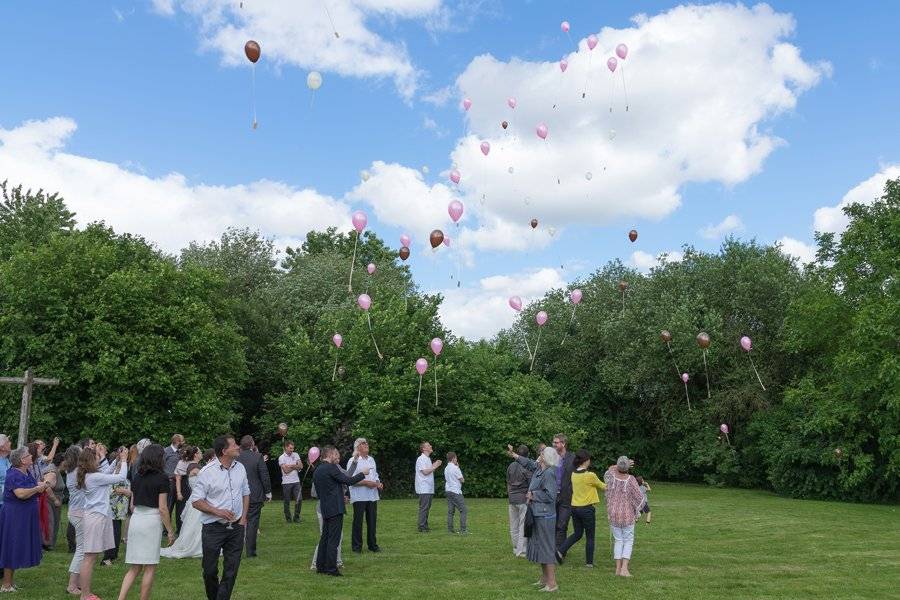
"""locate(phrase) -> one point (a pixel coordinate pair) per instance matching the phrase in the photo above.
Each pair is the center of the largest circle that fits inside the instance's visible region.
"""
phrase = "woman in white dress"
(189, 543)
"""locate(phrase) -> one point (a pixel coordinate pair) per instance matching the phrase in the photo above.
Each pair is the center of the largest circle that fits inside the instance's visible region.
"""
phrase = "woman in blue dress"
(20, 532)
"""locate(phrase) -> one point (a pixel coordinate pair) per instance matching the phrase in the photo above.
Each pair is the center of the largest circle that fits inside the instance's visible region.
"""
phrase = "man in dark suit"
(563, 487)
(330, 481)
(260, 489)
(172, 457)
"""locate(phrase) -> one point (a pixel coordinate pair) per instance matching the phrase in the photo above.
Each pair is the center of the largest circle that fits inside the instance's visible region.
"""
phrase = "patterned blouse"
(623, 499)
(119, 504)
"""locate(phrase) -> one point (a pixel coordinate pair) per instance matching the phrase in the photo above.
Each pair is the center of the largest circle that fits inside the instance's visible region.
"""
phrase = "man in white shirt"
(364, 495)
(453, 480)
(425, 483)
(290, 464)
(221, 492)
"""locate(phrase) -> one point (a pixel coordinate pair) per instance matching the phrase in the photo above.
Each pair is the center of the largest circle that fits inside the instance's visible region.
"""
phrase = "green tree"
(29, 219)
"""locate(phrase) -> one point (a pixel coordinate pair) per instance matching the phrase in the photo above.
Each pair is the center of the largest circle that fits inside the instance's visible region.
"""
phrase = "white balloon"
(511, 170)
(612, 134)
(425, 169)
(588, 176)
(364, 175)
(314, 80)
(552, 231)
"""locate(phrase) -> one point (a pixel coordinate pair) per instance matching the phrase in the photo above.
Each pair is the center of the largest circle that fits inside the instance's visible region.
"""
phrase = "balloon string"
(686, 395)
(372, 333)
(624, 88)
(672, 354)
(334, 372)
(253, 93)
(458, 259)
(307, 473)
(612, 91)
(312, 99)
(757, 372)
(352, 263)
(571, 41)
(623, 303)
(572, 318)
(435, 380)
(536, 346)
(336, 34)
(727, 439)
(419, 401)
(705, 368)
(587, 75)
(527, 347)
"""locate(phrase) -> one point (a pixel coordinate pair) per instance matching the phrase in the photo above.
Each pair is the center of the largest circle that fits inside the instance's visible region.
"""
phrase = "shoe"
(559, 557)
(74, 591)
(10, 589)
(463, 532)
(296, 518)
(452, 531)
(590, 565)
(107, 562)
(539, 584)
(375, 549)
(547, 589)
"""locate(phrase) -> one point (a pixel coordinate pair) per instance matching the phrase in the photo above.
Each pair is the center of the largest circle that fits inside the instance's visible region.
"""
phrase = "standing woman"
(75, 515)
(59, 486)
(585, 485)
(541, 497)
(119, 502)
(623, 504)
(20, 534)
(150, 500)
(97, 520)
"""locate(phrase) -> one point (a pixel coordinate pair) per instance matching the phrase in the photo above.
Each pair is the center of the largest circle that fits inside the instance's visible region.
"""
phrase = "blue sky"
(156, 88)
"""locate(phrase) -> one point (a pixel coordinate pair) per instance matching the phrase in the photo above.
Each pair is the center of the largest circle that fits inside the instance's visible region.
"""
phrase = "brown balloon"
(623, 285)
(838, 452)
(665, 335)
(252, 50)
(404, 253)
(703, 340)
(437, 238)
(341, 371)
(534, 223)
(504, 124)
(632, 235)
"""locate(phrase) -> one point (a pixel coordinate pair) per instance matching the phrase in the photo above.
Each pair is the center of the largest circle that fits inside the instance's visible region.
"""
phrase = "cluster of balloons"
(253, 52)
(437, 346)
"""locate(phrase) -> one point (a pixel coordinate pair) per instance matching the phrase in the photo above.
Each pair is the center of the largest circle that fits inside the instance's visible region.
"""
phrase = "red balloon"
(252, 50)
(437, 238)
(534, 223)
(632, 235)
(404, 253)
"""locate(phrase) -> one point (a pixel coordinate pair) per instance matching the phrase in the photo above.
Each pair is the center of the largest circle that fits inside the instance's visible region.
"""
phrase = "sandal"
(547, 589)
(9, 589)
(73, 591)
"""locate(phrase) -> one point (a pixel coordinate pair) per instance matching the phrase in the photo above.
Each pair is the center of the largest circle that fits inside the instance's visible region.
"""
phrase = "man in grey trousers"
(425, 483)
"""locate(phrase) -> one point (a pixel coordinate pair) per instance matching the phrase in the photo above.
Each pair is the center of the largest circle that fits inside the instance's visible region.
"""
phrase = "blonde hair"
(551, 458)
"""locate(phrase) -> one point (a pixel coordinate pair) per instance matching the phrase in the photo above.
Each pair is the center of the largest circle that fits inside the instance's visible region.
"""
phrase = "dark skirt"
(542, 543)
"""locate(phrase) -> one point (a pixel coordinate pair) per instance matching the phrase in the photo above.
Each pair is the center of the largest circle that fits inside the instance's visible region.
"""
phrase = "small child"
(645, 487)
(453, 478)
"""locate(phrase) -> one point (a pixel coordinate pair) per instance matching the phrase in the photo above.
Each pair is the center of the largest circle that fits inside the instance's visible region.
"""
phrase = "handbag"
(529, 521)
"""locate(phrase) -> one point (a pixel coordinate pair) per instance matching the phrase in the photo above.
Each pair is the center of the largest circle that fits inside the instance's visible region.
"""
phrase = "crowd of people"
(207, 505)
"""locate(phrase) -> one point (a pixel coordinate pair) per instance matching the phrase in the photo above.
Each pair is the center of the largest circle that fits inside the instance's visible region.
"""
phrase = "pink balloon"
(371, 268)
(542, 131)
(564, 26)
(447, 241)
(405, 240)
(622, 51)
(454, 176)
(364, 301)
(575, 296)
(455, 210)
(746, 344)
(563, 65)
(359, 221)
(723, 428)
(592, 41)
(313, 455)
(337, 339)
(511, 102)
(485, 148)
(437, 345)
(515, 303)
(421, 366)
(684, 377)
(541, 318)
(611, 64)
(467, 104)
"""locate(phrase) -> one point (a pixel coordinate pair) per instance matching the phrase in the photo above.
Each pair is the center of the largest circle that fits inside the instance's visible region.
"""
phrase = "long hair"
(87, 463)
(70, 460)
(153, 460)
(187, 453)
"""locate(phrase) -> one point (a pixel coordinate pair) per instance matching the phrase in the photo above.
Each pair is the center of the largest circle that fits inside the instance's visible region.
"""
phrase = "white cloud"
(645, 261)
(439, 97)
(694, 116)
(481, 311)
(168, 210)
(727, 225)
(806, 253)
(832, 218)
(301, 34)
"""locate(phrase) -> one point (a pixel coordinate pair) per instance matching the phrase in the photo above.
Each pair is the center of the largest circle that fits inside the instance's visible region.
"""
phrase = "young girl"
(645, 487)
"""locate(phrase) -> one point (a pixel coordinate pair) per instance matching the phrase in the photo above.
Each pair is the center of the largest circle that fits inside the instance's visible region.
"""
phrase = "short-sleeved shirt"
(4, 467)
(452, 476)
(289, 459)
(363, 493)
(424, 483)
(146, 488)
(181, 467)
(223, 488)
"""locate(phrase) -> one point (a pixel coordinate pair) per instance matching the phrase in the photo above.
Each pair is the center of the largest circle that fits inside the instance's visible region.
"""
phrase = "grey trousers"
(456, 502)
(424, 507)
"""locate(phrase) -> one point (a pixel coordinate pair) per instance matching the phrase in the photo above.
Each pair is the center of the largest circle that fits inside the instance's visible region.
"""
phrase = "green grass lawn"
(703, 543)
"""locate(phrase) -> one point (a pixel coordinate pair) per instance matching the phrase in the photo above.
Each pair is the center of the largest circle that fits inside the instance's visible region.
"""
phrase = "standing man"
(364, 496)
(290, 464)
(260, 489)
(172, 453)
(563, 487)
(425, 483)
(330, 481)
(5, 449)
(518, 478)
(222, 494)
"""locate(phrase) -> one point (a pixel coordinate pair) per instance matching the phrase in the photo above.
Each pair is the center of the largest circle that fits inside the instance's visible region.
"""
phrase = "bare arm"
(53, 450)
(26, 493)
(166, 518)
(243, 520)
(178, 487)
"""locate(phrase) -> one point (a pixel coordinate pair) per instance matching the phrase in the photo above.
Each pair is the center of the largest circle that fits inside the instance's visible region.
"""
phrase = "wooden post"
(27, 382)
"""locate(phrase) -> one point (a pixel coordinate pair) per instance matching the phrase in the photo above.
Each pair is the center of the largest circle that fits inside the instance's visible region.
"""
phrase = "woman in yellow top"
(585, 485)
